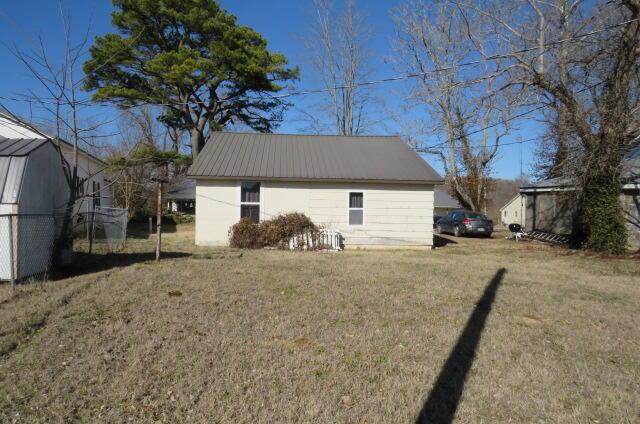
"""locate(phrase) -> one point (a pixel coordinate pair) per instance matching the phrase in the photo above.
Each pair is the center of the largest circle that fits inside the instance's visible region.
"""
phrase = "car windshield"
(474, 216)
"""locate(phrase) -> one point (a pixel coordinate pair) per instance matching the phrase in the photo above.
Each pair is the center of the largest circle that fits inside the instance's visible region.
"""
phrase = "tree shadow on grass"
(442, 403)
(87, 263)
(140, 230)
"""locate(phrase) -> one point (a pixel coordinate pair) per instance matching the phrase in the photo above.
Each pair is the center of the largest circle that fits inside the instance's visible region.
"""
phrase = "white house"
(34, 193)
(374, 190)
(513, 212)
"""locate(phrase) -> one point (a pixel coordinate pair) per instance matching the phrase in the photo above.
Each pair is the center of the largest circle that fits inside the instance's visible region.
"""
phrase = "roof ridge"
(22, 122)
(308, 135)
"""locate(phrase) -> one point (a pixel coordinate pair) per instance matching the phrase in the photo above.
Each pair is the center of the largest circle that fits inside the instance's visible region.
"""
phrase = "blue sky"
(283, 23)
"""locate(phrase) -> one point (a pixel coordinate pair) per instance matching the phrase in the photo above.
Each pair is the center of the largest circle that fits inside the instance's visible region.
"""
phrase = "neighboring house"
(181, 196)
(513, 212)
(375, 190)
(443, 202)
(551, 206)
(33, 189)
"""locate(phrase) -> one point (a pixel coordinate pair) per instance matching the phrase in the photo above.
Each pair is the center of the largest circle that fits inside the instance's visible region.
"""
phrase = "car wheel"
(438, 229)
(456, 231)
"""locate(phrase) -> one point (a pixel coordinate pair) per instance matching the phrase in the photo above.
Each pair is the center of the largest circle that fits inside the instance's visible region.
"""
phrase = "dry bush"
(245, 234)
(275, 232)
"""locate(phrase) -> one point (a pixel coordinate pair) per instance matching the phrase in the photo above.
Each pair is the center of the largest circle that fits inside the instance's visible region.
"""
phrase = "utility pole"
(520, 141)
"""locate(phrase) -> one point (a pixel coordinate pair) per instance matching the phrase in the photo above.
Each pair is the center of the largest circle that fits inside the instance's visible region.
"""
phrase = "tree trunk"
(197, 142)
(159, 222)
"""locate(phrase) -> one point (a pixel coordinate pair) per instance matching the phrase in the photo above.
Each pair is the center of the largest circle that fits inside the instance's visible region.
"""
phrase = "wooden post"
(11, 257)
(159, 221)
(92, 230)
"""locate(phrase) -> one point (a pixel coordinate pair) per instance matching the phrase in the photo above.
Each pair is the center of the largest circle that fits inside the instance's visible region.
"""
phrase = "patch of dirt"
(530, 319)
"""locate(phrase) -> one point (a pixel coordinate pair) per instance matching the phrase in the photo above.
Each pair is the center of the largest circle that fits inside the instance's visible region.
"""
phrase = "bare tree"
(460, 105)
(340, 56)
(584, 66)
(131, 189)
(60, 82)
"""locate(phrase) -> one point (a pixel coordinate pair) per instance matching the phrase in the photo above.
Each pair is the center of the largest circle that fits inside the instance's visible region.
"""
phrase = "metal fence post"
(12, 277)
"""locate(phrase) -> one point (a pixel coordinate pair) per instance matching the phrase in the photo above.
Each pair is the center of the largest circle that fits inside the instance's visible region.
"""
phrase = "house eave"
(325, 180)
(527, 190)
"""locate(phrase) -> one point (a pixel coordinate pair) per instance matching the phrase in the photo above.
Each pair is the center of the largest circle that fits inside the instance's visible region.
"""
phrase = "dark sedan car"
(461, 223)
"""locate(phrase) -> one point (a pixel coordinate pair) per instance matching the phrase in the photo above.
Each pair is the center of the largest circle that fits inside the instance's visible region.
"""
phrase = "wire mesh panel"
(35, 241)
(26, 245)
(103, 226)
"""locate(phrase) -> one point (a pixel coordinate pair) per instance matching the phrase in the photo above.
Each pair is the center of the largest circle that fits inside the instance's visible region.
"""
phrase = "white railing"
(320, 240)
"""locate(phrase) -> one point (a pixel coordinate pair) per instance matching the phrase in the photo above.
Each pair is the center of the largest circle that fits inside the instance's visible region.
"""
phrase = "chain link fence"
(27, 240)
(103, 228)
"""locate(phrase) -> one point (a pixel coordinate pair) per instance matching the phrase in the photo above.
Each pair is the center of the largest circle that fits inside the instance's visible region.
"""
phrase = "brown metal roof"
(442, 199)
(19, 147)
(311, 157)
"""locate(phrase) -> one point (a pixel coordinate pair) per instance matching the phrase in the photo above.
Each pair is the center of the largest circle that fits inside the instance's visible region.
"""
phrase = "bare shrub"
(245, 234)
(274, 232)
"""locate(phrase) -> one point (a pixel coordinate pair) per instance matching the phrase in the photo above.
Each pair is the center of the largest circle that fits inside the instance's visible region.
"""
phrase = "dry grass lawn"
(220, 335)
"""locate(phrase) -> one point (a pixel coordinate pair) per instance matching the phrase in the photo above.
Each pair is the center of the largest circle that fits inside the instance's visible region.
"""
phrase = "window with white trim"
(250, 200)
(356, 208)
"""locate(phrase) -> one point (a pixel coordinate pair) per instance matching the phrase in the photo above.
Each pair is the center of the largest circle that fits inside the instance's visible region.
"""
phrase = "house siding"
(553, 212)
(513, 212)
(630, 201)
(394, 214)
(90, 170)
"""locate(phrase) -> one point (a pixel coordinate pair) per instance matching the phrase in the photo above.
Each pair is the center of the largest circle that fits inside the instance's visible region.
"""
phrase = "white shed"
(34, 194)
(374, 190)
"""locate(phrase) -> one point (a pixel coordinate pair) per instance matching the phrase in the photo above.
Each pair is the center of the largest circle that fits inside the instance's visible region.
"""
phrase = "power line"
(384, 80)
(388, 79)
(448, 68)
(495, 124)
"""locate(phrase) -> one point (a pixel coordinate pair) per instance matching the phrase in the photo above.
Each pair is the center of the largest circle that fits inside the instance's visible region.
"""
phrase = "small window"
(250, 201)
(356, 208)
(516, 212)
(96, 194)
(80, 187)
